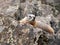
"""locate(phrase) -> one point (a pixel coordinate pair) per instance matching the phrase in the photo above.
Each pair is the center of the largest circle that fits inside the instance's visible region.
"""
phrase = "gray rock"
(1, 28)
(9, 7)
(12, 33)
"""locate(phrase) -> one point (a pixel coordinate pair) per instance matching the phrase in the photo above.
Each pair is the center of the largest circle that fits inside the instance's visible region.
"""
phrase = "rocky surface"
(12, 33)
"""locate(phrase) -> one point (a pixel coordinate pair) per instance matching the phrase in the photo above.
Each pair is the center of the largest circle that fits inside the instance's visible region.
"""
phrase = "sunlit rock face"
(12, 33)
(57, 1)
(8, 7)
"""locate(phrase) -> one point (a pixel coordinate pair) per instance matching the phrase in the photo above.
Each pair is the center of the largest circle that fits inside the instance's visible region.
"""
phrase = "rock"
(1, 22)
(12, 33)
(9, 7)
(1, 28)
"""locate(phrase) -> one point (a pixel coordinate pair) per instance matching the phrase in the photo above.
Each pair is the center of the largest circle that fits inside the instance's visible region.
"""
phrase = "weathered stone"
(12, 33)
(8, 7)
(1, 28)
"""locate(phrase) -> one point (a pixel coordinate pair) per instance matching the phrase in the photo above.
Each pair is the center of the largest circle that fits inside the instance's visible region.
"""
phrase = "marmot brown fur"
(38, 24)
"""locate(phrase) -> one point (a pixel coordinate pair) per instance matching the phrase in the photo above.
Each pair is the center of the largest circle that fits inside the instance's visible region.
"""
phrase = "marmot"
(31, 20)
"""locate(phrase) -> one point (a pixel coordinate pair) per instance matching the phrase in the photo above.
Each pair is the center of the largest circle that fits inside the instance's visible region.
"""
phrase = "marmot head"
(30, 17)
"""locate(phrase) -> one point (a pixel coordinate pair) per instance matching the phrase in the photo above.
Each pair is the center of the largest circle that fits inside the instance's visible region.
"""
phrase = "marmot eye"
(30, 16)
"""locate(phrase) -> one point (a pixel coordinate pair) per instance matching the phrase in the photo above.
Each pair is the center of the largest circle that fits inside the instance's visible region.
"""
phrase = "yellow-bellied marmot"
(31, 20)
